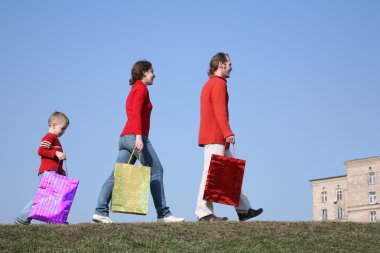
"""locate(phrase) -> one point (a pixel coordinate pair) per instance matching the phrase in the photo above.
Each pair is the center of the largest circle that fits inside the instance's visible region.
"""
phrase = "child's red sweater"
(49, 162)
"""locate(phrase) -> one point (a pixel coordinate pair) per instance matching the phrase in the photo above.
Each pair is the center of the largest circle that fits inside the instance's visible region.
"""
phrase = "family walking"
(215, 135)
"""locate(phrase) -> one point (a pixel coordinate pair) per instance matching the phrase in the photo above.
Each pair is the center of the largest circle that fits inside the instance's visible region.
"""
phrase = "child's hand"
(61, 156)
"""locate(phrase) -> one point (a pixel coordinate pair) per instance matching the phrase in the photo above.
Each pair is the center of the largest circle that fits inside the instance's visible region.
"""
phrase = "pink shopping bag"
(54, 197)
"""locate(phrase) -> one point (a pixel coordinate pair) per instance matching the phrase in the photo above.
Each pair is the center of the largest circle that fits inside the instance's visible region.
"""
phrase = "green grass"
(192, 237)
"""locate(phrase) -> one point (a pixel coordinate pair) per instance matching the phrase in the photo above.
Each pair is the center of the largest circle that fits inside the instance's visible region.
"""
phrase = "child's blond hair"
(58, 117)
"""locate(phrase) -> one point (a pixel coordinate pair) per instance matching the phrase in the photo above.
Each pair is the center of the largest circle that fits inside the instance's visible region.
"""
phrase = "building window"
(338, 195)
(324, 214)
(339, 213)
(372, 216)
(371, 178)
(324, 197)
(372, 198)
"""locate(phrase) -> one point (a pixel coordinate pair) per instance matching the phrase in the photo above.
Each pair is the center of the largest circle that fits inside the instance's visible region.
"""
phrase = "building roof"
(326, 178)
(349, 161)
(360, 159)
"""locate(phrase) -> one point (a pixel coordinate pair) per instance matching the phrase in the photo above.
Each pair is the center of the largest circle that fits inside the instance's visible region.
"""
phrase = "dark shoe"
(17, 222)
(212, 218)
(250, 214)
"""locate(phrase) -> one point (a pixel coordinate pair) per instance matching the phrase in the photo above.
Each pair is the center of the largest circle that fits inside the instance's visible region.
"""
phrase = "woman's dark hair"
(214, 63)
(138, 69)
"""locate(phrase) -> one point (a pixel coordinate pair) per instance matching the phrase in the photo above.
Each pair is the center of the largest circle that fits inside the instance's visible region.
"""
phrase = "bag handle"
(233, 149)
(65, 170)
(133, 151)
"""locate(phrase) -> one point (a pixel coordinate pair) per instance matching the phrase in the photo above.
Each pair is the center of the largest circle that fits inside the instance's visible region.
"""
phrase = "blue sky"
(304, 93)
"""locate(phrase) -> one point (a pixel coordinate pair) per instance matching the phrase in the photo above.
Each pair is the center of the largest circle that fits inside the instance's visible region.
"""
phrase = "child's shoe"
(17, 222)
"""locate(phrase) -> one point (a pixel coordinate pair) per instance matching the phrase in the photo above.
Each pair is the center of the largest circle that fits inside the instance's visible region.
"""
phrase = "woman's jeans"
(148, 158)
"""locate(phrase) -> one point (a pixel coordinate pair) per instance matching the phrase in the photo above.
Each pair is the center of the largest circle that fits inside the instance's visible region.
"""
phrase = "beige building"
(351, 197)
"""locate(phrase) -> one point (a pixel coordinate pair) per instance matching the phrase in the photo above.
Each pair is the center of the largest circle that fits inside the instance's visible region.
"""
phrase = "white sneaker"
(170, 218)
(101, 219)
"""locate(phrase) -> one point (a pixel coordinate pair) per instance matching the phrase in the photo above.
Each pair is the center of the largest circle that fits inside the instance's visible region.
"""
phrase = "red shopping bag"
(224, 180)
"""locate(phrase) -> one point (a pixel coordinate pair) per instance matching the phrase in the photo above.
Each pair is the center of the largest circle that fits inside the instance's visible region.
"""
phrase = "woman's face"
(148, 77)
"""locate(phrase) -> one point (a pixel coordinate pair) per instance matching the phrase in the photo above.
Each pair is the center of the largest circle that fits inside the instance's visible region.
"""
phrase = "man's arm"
(219, 98)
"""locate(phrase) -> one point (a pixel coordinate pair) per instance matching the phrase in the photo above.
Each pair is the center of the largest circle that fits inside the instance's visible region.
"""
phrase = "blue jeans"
(23, 217)
(148, 158)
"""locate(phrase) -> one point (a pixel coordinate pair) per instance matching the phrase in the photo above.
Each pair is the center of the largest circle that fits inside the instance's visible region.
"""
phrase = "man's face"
(226, 68)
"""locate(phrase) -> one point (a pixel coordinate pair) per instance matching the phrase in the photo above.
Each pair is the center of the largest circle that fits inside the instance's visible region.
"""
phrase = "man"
(215, 132)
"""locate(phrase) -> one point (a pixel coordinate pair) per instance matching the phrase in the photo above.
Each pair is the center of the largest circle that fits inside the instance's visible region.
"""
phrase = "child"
(52, 156)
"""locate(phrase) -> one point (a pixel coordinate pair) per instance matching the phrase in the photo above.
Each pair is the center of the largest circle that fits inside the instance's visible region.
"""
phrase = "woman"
(135, 135)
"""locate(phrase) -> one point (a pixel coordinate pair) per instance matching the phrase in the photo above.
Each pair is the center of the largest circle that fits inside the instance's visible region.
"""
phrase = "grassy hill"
(192, 237)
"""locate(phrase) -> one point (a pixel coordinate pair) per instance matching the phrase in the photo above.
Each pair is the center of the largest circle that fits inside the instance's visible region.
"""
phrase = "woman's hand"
(139, 142)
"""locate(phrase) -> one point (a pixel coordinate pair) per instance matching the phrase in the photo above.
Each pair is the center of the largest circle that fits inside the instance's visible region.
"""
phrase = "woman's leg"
(102, 208)
(149, 158)
(105, 195)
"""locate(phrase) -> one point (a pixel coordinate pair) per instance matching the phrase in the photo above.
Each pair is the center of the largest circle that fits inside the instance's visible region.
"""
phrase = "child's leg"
(23, 217)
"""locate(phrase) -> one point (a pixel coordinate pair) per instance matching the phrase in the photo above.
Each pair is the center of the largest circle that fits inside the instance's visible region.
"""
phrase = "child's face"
(59, 128)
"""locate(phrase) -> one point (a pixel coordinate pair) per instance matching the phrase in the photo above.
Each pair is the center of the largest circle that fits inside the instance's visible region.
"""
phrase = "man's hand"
(230, 139)
(61, 156)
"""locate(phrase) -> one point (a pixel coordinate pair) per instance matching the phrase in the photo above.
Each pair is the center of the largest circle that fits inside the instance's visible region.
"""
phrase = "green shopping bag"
(130, 192)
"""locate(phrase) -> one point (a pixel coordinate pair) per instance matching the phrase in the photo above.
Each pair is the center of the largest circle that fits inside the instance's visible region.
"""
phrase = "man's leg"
(244, 204)
(205, 208)
(244, 210)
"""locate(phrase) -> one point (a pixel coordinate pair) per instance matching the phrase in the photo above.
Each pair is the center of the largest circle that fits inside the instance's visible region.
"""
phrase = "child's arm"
(46, 151)
(60, 155)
